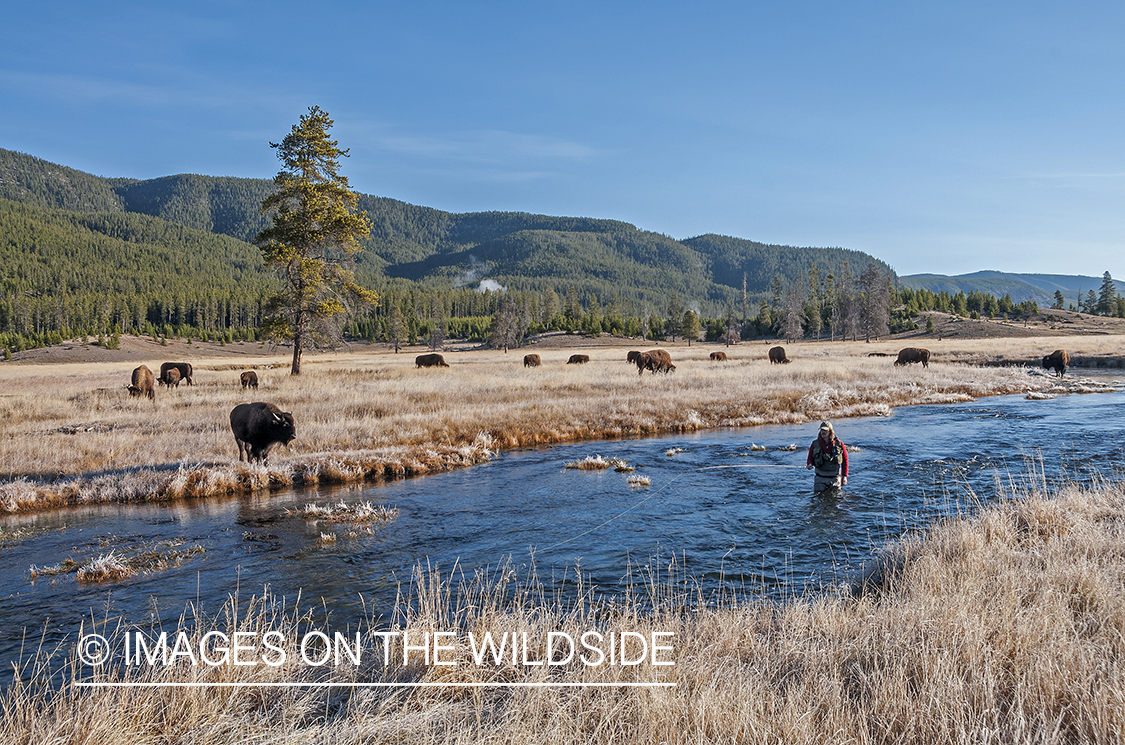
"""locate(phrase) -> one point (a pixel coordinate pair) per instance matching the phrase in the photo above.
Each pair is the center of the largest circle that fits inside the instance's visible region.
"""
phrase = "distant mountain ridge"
(414, 244)
(1021, 287)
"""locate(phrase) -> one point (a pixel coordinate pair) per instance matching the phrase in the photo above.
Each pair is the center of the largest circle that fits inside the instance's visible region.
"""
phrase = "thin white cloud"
(489, 146)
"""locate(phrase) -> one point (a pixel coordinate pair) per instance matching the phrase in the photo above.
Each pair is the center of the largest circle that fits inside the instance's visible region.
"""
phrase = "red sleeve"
(808, 461)
(844, 448)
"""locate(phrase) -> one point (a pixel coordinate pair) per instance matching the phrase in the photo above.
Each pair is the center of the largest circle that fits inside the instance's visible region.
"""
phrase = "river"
(732, 516)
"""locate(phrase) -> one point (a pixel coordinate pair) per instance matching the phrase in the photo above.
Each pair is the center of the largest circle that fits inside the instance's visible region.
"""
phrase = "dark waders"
(828, 469)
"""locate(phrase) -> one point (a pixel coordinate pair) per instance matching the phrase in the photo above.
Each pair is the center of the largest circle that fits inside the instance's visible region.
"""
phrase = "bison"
(777, 356)
(656, 360)
(142, 384)
(183, 367)
(172, 378)
(257, 427)
(430, 360)
(718, 356)
(1058, 361)
(911, 355)
(531, 360)
(578, 359)
(249, 379)
(631, 358)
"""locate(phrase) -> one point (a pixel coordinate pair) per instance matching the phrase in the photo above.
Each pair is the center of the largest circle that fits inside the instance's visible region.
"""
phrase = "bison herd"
(142, 382)
(259, 426)
(658, 360)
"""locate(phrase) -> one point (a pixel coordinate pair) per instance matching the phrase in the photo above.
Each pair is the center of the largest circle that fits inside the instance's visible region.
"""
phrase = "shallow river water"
(732, 516)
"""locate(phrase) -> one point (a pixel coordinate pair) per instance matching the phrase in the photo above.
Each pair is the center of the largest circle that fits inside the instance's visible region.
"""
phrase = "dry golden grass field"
(70, 433)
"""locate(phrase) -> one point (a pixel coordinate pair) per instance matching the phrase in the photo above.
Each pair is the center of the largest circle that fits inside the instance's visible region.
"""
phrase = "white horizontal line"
(89, 684)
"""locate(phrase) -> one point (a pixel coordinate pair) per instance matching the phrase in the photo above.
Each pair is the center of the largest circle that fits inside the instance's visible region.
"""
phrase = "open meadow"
(70, 433)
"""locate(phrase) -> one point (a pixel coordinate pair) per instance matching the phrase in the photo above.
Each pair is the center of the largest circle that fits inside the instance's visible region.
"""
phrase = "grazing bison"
(531, 360)
(183, 367)
(142, 384)
(430, 360)
(249, 379)
(257, 427)
(631, 358)
(172, 378)
(578, 359)
(718, 356)
(911, 355)
(1058, 361)
(656, 360)
(777, 356)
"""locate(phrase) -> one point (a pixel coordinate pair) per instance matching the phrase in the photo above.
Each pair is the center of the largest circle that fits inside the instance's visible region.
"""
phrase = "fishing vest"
(828, 464)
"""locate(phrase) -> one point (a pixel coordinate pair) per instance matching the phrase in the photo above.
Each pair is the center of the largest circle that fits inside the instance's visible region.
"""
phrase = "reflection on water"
(734, 516)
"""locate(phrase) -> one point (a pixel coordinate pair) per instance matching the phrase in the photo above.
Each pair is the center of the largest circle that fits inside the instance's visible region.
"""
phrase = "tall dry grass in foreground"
(1008, 627)
(70, 433)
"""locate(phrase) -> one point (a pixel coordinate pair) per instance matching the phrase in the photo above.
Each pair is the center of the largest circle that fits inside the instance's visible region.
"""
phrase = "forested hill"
(412, 245)
(1020, 287)
(761, 262)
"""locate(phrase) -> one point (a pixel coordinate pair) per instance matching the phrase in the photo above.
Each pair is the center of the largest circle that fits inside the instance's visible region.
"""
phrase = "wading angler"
(829, 458)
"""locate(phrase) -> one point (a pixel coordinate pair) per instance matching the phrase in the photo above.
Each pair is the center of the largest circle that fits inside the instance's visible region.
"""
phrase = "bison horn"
(276, 418)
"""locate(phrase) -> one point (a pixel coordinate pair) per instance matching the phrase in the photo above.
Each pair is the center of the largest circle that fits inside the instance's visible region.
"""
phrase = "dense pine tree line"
(66, 274)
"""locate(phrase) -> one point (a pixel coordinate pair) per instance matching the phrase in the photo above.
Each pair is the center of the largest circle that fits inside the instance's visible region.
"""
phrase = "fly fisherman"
(830, 459)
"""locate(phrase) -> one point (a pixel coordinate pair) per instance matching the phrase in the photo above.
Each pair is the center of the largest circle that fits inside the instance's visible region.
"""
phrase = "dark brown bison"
(911, 355)
(257, 427)
(142, 384)
(777, 356)
(718, 356)
(531, 360)
(430, 360)
(1058, 361)
(578, 359)
(183, 367)
(631, 358)
(656, 360)
(249, 379)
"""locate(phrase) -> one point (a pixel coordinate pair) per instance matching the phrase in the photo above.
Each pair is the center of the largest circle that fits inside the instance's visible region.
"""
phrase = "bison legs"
(252, 454)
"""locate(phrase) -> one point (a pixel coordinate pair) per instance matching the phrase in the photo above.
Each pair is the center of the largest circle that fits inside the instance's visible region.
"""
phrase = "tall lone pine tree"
(313, 239)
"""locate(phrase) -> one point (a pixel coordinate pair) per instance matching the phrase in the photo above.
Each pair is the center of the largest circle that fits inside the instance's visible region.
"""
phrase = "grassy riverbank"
(69, 433)
(1006, 627)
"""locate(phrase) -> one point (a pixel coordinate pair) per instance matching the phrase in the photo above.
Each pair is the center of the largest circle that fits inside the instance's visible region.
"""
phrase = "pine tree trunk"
(296, 356)
(298, 341)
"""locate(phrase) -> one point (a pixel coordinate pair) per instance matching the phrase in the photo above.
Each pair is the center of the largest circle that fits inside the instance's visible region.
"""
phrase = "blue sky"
(941, 137)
